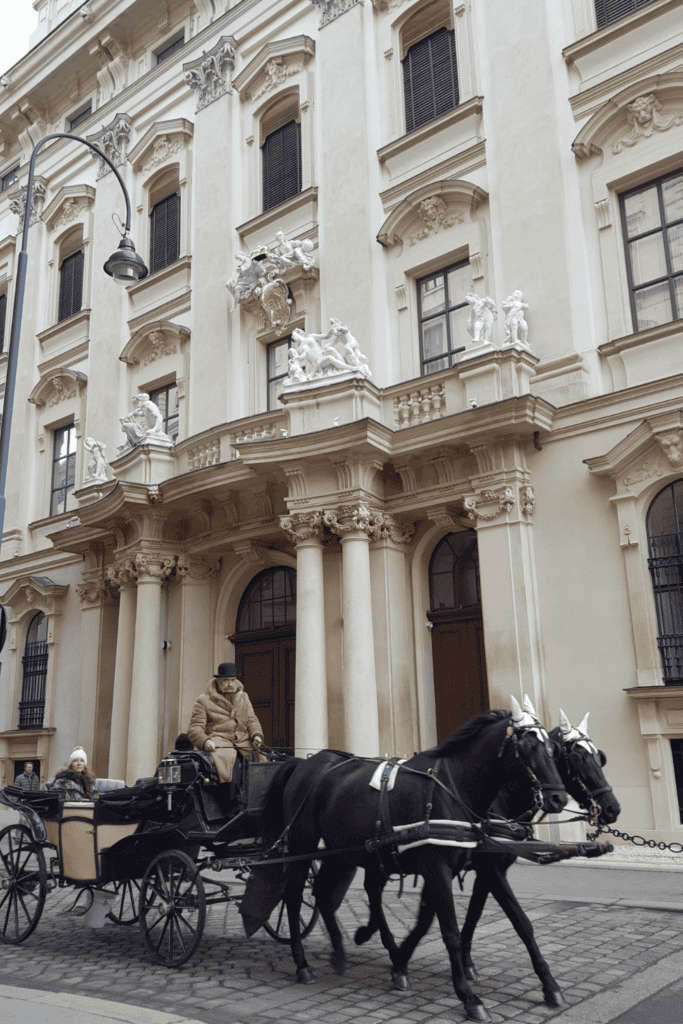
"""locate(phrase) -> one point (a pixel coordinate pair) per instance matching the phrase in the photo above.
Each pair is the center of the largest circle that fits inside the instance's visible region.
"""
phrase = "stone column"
(96, 668)
(195, 649)
(310, 708)
(124, 576)
(355, 525)
(143, 720)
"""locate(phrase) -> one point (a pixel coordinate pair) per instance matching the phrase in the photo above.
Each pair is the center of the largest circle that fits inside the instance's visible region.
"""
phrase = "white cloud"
(18, 21)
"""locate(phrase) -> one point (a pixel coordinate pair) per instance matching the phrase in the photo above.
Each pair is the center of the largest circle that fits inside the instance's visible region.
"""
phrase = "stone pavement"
(614, 957)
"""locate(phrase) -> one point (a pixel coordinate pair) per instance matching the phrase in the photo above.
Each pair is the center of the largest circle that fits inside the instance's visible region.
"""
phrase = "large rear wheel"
(277, 924)
(23, 883)
(172, 908)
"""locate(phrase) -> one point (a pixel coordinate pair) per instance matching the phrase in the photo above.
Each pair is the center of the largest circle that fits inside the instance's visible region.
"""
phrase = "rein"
(591, 806)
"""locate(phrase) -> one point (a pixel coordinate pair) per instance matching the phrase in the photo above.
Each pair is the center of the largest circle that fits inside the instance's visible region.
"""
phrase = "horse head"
(533, 781)
(580, 764)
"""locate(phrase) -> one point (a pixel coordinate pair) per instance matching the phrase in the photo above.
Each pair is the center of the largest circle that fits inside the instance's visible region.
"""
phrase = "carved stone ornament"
(671, 444)
(197, 570)
(71, 209)
(63, 388)
(433, 214)
(257, 276)
(144, 425)
(483, 313)
(302, 525)
(322, 356)
(122, 573)
(158, 567)
(516, 327)
(527, 500)
(94, 589)
(113, 141)
(209, 75)
(655, 466)
(331, 9)
(17, 202)
(643, 118)
(97, 469)
(375, 524)
(277, 71)
(503, 500)
(159, 345)
(161, 151)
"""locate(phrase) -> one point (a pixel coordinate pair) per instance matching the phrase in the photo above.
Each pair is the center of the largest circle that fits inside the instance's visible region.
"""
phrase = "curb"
(97, 1009)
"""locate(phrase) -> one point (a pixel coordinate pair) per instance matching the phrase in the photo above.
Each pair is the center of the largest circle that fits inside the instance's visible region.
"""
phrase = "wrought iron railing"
(666, 568)
(32, 703)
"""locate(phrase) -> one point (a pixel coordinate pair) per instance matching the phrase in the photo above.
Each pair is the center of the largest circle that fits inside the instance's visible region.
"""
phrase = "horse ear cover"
(565, 724)
(517, 714)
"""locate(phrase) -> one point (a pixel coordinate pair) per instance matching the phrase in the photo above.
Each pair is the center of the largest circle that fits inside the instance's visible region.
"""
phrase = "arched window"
(430, 71)
(269, 602)
(665, 549)
(164, 215)
(281, 152)
(454, 572)
(71, 264)
(34, 662)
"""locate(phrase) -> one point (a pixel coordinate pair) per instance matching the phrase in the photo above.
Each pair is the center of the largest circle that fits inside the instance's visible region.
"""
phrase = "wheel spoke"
(20, 899)
(187, 924)
(180, 938)
(163, 932)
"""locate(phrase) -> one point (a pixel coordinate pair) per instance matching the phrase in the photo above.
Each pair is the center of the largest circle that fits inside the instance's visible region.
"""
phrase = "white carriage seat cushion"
(107, 785)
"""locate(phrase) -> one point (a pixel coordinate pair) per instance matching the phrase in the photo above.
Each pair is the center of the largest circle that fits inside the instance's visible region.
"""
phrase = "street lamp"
(124, 265)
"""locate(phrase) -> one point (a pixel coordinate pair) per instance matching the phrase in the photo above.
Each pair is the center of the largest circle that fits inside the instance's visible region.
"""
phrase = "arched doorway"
(34, 665)
(265, 650)
(460, 684)
(665, 561)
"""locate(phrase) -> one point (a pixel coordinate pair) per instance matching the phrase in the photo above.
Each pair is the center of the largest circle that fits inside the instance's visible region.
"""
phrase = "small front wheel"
(127, 911)
(23, 884)
(277, 924)
(172, 907)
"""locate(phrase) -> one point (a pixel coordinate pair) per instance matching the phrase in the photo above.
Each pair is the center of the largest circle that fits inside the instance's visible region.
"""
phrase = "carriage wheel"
(23, 883)
(172, 907)
(128, 910)
(277, 924)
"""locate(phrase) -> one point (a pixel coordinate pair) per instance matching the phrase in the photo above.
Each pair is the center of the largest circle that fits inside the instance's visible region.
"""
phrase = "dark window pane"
(430, 79)
(441, 336)
(170, 49)
(270, 600)
(454, 572)
(665, 549)
(3, 318)
(70, 286)
(281, 165)
(34, 665)
(609, 11)
(167, 401)
(164, 233)
(80, 117)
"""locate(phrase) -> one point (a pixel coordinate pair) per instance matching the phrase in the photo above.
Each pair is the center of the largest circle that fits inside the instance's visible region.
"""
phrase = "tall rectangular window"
(443, 314)
(652, 219)
(278, 365)
(166, 398)
(430, 78)
(70, 285)
(79, 118)
(169, 49)
(63, 467)
(281, 161)
(3, 318)
(609, 11)
(164, 246)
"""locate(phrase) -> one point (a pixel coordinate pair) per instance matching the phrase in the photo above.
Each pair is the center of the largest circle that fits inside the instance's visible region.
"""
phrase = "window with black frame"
(63, 467)
(70, 285)
(9, 178)
(164, 247)
(652, 218)
(443, 315)
(34, 674)
(169, 48)
(609, 11)
(430, 67)
(77, 119)
(3, 318)
(665, 561)
(277, 369)
(281, 153)
(166, 399)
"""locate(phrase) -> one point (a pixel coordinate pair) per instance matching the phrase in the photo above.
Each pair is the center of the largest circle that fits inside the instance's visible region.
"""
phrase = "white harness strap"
(376, 780)
(462, 843)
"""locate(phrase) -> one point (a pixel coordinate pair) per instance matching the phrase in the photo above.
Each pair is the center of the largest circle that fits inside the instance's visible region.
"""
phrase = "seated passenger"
(76, 780)
(223, 721)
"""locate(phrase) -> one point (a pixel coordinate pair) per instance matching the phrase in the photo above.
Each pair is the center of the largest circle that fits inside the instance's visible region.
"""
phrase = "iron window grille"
(277, 369)
(34, 664)
(170, 48)
(70, 285)
(3, 318)
(665, 548)
(281, 164)
(454, 572)
(430, 79)
(609, 11)
(652, 220)
(269, 602)
(443, 314)
(9, 178)
(79, 118)
(164, 246)
(167, 399)
(63, 467)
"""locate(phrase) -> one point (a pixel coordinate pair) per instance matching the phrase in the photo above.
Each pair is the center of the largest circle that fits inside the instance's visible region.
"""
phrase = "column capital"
(122, 573)
(209, 75)
(488, 505)
(96, 587)
(196, 569)
(374, 524)
(302, 526)
(154, 567)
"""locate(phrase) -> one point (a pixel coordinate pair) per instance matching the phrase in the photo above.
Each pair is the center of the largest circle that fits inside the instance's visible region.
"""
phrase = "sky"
(18, 21)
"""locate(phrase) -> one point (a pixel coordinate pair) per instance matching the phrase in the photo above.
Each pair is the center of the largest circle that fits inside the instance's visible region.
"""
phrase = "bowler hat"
(226, 670)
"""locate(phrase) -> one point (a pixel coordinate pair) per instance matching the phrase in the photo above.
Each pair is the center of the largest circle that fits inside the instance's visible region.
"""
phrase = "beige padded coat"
(229, 720)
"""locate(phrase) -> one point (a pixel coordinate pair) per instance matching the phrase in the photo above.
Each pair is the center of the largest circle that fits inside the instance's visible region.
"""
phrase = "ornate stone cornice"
(375, 524)
(17, 202)
(496, 503)
(209, 75)
(302, 525)
(34, 593)
(113, 141)
(331, 9)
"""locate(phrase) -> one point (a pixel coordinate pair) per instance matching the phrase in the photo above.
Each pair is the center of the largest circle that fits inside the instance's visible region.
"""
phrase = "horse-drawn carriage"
(148, 853)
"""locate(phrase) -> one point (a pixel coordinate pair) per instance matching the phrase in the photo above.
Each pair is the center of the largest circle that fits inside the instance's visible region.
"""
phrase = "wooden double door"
(265, 661)
(460, 684)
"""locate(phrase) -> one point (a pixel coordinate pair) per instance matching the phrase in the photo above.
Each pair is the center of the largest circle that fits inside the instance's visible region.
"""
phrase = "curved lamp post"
(124, 265)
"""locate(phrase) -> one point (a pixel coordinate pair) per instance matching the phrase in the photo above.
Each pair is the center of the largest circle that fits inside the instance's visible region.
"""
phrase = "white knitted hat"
(78, 752)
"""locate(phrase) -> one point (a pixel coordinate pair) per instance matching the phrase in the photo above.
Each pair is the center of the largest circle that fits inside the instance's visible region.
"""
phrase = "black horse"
(580, 765)
(329, 797)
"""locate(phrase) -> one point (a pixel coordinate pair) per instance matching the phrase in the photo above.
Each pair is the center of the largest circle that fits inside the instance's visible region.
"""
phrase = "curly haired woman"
(76, 780)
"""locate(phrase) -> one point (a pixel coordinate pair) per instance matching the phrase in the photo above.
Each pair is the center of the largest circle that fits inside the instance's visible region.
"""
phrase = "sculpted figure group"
(316, 355)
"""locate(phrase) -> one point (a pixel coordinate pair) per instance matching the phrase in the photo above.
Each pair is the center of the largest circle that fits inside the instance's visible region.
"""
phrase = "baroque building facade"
(469, 486)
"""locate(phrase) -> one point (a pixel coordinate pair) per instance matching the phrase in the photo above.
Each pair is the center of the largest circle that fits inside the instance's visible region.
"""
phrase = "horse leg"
(500, 887)
(403, 955)
(294, 890)
(475, 908)
(331, 885)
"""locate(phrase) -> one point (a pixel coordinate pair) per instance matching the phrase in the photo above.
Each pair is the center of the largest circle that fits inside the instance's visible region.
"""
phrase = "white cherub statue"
(483, 312)
(516, 327)
(97, 466)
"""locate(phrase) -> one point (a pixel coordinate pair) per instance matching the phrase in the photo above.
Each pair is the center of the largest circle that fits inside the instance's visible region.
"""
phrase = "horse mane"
(469, 732)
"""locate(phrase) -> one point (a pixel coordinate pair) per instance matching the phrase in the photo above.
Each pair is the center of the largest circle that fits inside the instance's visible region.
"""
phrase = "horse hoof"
(338, 961)
(399, 981)
(478, 1012)
(362, 935)
(304, 976)
(553, 997)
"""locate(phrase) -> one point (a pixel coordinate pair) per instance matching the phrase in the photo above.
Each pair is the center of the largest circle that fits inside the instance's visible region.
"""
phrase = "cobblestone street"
(590, 948)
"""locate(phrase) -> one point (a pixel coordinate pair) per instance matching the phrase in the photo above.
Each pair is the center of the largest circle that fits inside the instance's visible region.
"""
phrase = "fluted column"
(122, 575)
(310, 707)
(355, 527)
(143, 720)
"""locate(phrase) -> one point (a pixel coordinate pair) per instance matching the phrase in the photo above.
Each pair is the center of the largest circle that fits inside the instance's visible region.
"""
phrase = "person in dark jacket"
(28, 778)
(76, 780)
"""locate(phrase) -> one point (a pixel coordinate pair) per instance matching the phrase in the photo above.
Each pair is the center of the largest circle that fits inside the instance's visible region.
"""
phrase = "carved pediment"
(33, 593)
(59, 385)
(638, 112)
(273, 65)
(164, 140)
(71, 203)
(153, 341)
(430, 209)
(652, 452)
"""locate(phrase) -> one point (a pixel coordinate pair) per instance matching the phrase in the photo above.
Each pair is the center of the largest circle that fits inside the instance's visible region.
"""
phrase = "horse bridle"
(591, 805)
(537, 788)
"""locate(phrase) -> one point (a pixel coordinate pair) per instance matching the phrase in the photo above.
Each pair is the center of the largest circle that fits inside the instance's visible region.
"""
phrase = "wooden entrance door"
(459, 660)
